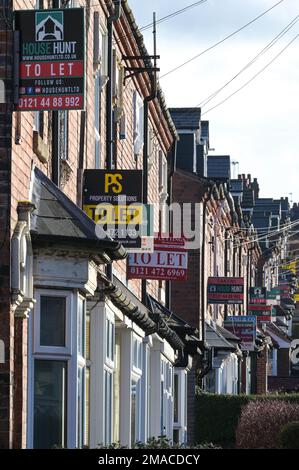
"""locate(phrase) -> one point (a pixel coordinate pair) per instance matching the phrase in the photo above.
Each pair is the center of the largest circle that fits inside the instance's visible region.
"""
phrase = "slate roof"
(186, 118)
(219, 167)
(58, 219)
(227, 334)
(215, 339)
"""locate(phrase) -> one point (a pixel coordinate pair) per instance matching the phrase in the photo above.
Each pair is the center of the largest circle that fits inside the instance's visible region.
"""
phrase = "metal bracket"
(133, 71)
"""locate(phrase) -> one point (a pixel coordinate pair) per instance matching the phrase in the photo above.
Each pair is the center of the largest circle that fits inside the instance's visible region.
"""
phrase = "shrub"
(289, 436)
(161, 442)
(261, 421)
(217, 416)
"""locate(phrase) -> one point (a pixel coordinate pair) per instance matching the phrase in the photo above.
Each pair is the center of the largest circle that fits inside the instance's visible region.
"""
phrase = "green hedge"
(218, 415)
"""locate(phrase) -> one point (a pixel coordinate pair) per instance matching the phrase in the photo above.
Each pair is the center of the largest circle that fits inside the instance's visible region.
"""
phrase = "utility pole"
(55, 135)
(147, 100)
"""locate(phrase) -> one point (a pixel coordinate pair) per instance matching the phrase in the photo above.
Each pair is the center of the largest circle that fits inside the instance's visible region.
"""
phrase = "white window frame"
(109, 367)
(53, 350)
(167, 416)
(138, 124)
(97, 120)
(68, 354)
(181, 424)
(136, 376)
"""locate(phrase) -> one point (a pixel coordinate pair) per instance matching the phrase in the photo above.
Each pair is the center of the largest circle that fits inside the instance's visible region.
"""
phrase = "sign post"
(52, 59)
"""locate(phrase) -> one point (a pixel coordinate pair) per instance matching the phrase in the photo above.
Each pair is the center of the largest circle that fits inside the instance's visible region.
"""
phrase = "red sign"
(169, 261)
(244, 327)
(225, 290)
(53, 102)
(51, 69)
(51, 56)
(262, 312)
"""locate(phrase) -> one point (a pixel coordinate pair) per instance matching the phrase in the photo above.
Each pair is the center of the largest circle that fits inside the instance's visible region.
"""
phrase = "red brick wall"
(261, 373)
(6, 318)
(186, 295)
(16, 160)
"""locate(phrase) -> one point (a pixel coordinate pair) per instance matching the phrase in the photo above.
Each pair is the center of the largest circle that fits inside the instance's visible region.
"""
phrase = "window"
(176, 399)
(38, 122)
(109, 364)
(166, 398)
(137, 353)
(162, 175)
(52, 321)
(135, 411)
(138, 115)
(110, 340)
(58, 372)
(108, 409)
(50, 401)
(80, 407)
(63, 134)
(97, 120)
(81, 327)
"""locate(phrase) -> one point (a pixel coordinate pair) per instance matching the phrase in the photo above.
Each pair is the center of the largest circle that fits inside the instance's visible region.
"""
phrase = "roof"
(278, 335)
(219, 167)
(215, 340)
(227, 334)
(186, 334)
(186, 118)
(58, 219)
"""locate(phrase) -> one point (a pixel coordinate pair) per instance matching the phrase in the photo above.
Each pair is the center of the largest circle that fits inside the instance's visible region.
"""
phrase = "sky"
(259, 126)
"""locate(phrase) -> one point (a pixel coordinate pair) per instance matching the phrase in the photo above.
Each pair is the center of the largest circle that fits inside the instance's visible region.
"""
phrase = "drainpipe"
(147, 100)
(203, 255)
(109, 115)
(109, 111)
(225, 265)
(172, 158)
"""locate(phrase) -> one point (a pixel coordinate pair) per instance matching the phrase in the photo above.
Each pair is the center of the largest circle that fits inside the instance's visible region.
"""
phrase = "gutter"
(148, 321)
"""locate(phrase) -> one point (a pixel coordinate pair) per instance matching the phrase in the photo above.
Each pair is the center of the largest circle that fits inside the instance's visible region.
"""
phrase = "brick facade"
(261, 372)
(17, 158)
(6, 317)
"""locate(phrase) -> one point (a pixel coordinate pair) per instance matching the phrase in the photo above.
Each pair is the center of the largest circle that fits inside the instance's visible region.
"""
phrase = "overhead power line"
(254, 77)
(221, 41)
(260, 54)
(165, 18)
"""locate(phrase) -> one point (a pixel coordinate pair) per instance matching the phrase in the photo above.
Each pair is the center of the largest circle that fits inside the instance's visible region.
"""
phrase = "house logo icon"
(49, 26)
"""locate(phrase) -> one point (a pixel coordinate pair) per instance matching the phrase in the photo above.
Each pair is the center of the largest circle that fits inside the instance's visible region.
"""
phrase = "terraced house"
(88, 357)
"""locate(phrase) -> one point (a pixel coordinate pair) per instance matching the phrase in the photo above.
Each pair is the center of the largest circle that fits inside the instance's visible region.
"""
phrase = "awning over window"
(58, 220)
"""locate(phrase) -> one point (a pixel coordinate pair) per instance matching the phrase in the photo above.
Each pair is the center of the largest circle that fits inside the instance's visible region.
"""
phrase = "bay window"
(57, 398)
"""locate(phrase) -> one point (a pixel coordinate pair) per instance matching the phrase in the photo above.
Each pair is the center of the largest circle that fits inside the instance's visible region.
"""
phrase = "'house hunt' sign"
(51, 60)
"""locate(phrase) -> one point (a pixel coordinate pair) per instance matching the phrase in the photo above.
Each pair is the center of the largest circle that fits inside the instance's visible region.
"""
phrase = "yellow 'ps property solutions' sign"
(113, 199)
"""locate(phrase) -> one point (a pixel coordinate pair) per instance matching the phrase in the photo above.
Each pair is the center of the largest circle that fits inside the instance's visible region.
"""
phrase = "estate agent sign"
(113, 199)
(169, 261)
(51, 59)
(245, 328)
(225, 290)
